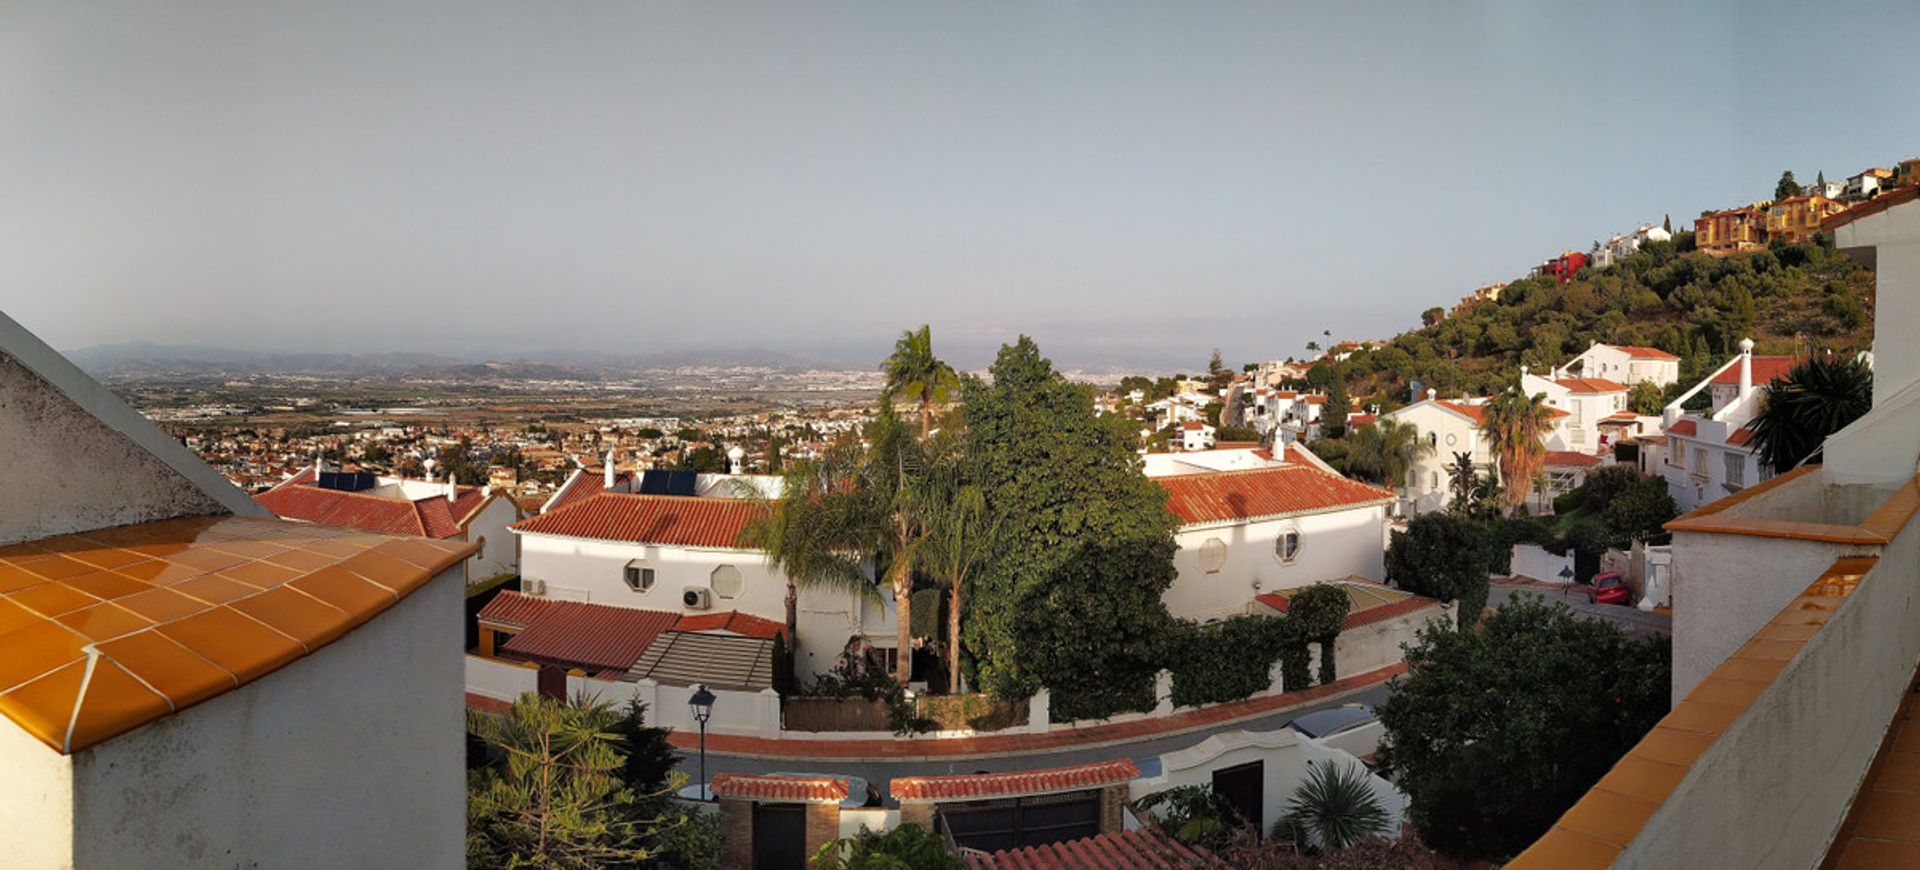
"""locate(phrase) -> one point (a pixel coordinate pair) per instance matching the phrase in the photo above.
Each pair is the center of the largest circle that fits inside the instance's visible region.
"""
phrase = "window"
(1700, 461)
(1287, 547)
(639, 577)
(727, 581)
(1433, 439)
(1736, 468)
(1213, 555)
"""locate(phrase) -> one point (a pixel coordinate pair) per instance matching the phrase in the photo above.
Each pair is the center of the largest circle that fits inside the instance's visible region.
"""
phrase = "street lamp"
(702, 704)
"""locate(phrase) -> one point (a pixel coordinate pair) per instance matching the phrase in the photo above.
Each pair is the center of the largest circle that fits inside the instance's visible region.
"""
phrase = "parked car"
(1609, 588)
(1337, 720)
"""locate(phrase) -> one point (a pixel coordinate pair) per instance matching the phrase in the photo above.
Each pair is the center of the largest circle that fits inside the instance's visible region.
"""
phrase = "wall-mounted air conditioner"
(696, 598)
(533, 586)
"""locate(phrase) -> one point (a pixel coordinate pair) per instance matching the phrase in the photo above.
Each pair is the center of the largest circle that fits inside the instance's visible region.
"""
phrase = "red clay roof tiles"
(678, 520)
(731, 621)
(780, 788)
(1261, 492)
(1025, 782)
(1765, 369)
(1638, 352)
(596, 637)
(1120, 850)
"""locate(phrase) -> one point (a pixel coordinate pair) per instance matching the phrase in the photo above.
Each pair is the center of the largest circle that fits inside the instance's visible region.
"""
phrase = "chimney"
(609, 469)
(453, 491)
(736, 459)
(1746, 367)
(1432, 394)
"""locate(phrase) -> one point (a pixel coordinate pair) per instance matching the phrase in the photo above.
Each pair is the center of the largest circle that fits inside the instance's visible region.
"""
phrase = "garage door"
(1011, 823)
(779, 837)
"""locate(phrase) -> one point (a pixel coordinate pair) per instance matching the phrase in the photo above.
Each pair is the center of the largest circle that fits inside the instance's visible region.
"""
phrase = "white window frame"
(639, 570)
(1288, 553)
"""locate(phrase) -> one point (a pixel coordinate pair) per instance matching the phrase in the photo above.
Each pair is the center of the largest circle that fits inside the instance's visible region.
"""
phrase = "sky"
(1130, 184)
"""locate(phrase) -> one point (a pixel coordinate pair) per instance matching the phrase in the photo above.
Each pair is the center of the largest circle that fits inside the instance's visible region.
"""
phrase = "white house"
(189, 682)
(1710, 455)
(1449, 427)
(405, 506)
(1586, 401)
(1282, 526)
(682, 554)
(1196, 435)
(1627, 364)
(1263, 769)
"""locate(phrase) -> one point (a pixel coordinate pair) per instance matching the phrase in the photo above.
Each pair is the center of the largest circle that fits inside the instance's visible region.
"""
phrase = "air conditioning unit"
(696, 598)
(533, 586)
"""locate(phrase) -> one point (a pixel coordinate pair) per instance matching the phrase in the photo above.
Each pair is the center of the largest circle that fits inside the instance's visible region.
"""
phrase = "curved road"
(879, 772)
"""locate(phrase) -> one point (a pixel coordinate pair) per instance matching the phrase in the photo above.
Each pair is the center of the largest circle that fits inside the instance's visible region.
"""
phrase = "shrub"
(1445, 557)
(1318, 611)
(1225, 661)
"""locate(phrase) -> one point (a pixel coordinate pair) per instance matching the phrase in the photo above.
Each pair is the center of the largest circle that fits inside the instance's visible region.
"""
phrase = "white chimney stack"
(453, 491)
(609, 469)
(736, 459)
(1746, 367)
(1432, 394)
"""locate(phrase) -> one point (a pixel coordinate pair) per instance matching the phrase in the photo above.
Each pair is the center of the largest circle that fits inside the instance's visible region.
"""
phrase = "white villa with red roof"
(1267, 524)
(404, 506)
(1709, 456)
(1627, 364)
(1586, 401)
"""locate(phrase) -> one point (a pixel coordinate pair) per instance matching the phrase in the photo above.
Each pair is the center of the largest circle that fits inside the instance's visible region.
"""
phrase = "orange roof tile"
(1689, 428)
(1025, 782)
(731, 621)
(1140, 847)
(1571, 459)
(677, 520)
(1591, 385)
(108, 630)
(430, 517)
(1740, 437)
(1639, 352)
(1263, 492)
(1471, 412)
(1765, 369)
(597, 637)
(1869, 208)
(1357, 618)
(781, 787)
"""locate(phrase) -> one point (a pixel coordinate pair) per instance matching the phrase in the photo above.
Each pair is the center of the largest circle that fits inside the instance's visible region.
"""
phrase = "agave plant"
(1333, 808)
(1815, 399)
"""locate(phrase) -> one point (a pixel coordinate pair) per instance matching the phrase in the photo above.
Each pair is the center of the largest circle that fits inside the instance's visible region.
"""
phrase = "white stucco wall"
(1427, 483)
(1283, 754)
(1894, 235)
(1725, 587)
(1372, 647)
(588, 570)
(350, 757)
(36, 802)
(1333, 545)
(501, 552)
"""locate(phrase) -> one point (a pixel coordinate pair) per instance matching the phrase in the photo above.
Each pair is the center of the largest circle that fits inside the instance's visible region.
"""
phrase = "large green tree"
(1443, 556)
(1382, 452)
(914, 373)
(1069, 597)
(1817, 398)
(1495, 733)
(1786, 187)
(960, 532)
(1514, 424)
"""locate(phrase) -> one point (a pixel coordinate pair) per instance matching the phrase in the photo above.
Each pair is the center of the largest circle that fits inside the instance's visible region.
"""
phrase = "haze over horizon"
(1129, 184)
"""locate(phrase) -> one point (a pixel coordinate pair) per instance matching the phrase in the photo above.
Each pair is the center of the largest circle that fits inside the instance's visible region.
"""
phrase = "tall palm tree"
(1513, 424)
(1383, 451)
(1817, 398)
(959, 534)
(1464, 481)
(896, 482)
(818, 530)
(913, 372)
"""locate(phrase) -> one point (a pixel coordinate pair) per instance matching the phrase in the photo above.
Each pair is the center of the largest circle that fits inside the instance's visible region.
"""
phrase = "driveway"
(880, 772)
(1575, 597)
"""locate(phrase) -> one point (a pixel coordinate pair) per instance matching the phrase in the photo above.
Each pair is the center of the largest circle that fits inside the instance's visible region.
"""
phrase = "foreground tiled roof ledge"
(1757, 764)
(777, 787)
(1024, 782)
(109, 630)
(1876, 530)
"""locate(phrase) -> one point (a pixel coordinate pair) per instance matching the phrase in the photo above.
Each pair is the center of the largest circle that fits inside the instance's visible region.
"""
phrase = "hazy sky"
(1127, 183)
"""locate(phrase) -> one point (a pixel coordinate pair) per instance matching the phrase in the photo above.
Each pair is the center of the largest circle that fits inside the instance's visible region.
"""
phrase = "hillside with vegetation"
(1787, 298)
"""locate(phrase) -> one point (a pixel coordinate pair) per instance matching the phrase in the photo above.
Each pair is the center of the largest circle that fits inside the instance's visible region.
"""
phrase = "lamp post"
(702, 704)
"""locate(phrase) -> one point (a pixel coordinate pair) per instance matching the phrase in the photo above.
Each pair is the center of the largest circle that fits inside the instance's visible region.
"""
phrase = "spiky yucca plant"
(1333, 808)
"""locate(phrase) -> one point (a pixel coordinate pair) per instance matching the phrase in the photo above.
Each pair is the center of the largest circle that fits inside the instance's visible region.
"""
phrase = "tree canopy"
(1495, 733)
(1442, 556)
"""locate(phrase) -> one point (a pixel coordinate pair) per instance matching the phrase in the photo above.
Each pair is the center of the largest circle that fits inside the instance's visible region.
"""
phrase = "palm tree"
(913, 372)
(1384, 451)
(895, 480)
(1332, 809)
(1817, 398)
(959, 537)
(1513, 424)
(1464, 480)
(819, 528)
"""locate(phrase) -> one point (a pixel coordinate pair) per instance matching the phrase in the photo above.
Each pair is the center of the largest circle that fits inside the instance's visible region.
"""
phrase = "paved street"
(879, 772)
(1575, 597)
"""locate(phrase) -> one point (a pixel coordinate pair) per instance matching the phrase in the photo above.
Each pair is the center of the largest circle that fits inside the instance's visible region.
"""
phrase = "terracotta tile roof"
(109, 630)
(1360, 419)
(1740, 437)
(1471, 412)
(1765, 369)
(595, 637)
(1639, 352)
(582, 485)
(1263, 492)
(1371, 602)
(430, 517)
(1571, 459)
(1120, 850)
(676, 520)
(1591, 385)
(1685, 427)
(1192, 425)
(781, 787)
(1026, 782)
(731, 621)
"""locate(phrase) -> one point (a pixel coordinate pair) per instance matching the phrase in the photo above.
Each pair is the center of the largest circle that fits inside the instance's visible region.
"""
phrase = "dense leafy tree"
(1195, 815)
(1317, 613)
(1602, 485)
(1786, 188)
(960, 532)
(914, 373)
(1333, 415)
(1445, 557)
(1495, 733)
(1817, 398)
(1514, 424)
(1069, 597)
(1432, 316)
(1646, 398)
(1383, 452)
(1638, 512)
(1333, 808)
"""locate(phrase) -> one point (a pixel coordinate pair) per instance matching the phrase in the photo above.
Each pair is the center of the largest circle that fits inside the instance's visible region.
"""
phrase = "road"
(879, 772)
(1575, 597)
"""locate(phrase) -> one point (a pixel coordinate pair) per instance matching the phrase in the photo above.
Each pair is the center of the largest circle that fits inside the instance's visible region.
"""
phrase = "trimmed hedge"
(1226, 661)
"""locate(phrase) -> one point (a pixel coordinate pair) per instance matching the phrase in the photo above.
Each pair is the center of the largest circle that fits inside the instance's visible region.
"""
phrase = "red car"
(1608, 588)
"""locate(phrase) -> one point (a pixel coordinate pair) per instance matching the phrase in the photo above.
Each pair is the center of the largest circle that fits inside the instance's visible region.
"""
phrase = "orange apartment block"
(1794, 220)
(1732, 230)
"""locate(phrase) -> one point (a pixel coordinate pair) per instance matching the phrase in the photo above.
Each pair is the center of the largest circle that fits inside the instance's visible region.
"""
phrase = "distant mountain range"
(139, 358)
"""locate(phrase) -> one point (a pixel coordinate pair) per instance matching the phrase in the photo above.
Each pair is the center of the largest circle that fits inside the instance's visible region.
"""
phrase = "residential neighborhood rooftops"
(1368, 602)
(1024, 782)
(1262, 492)
(605, 640)
(687, 521)
(109, 630)
(1571, 459)
(435, 516)
(1140, 847)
